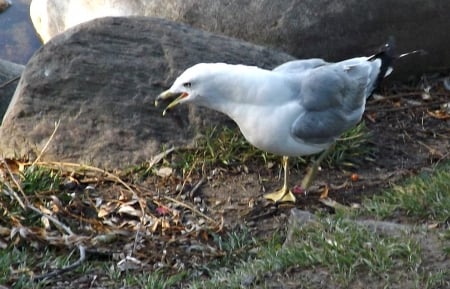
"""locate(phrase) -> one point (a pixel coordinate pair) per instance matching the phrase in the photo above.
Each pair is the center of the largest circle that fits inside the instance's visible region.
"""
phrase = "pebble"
(4, 4)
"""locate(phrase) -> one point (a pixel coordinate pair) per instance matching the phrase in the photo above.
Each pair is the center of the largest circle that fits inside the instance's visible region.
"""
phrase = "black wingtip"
(386, 53)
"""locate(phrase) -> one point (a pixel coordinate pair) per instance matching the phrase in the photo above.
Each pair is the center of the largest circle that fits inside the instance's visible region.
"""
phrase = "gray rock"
(100, 79)
(4, 4)
(333, 30)
(9, 76)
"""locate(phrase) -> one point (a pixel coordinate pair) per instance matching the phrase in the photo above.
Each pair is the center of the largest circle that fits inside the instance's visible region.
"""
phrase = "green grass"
(153, 280)
(36, 179)
(35, 182)
(425, 198)
(345, 249)
(352, 148)
(227, 147)
(19, 264)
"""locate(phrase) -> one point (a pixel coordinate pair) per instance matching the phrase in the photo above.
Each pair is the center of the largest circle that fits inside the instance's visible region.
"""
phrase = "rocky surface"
(99, 80)
(9, 75)
(328, 29)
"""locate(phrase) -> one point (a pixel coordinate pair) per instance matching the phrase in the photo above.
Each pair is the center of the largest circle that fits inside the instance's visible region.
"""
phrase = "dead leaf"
(324, 194)
(4, 231)
(130, 210)
(332, 203)
(164, 172)
(439, 114)
(433, 226)
(129, 263)
(13, 165)
(107, 209)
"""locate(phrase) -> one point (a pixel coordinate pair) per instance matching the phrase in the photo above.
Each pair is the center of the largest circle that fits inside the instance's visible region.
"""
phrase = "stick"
(156, 159)
(47, 143)
(16, 196)
(190, 208)
(63, 270)
(51, 218)
(4, 84)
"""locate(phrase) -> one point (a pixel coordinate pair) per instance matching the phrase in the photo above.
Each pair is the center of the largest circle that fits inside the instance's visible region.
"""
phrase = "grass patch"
(154, 280)
(344, 249)
(423, 198)
(227, 147)
(36, 179)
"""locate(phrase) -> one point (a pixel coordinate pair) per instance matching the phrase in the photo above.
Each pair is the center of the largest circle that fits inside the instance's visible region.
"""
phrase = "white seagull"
(299, 108)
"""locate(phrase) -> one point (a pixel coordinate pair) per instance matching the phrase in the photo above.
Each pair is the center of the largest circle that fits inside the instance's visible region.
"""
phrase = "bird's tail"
(386, 53)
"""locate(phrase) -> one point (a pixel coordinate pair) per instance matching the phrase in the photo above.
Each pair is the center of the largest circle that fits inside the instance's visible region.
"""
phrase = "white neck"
(235, 88)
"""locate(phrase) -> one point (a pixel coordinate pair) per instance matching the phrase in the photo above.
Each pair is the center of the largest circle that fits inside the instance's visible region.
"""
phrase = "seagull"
(299, 108)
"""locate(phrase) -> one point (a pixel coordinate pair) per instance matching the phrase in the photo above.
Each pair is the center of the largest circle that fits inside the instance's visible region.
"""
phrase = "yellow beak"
(168, 95)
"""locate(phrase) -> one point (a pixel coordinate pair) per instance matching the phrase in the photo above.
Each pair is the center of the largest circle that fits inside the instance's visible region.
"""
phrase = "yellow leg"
(283, 194)
(307, 180)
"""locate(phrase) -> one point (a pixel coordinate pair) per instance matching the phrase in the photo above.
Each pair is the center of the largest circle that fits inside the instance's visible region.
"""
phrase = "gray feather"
(333, 98)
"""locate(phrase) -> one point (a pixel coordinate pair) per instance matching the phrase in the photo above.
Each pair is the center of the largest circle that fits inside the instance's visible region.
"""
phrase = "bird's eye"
(187, 84)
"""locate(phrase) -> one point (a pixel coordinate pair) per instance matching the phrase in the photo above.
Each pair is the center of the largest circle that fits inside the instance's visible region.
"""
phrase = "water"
(18, 39)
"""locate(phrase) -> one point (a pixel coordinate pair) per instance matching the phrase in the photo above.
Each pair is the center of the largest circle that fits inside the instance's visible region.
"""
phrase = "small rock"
(4, 4)
(247, 281)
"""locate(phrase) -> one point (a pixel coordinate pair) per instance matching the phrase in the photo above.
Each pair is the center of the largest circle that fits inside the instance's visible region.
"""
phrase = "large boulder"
(332, 30)
(9, 76)
(99, 80)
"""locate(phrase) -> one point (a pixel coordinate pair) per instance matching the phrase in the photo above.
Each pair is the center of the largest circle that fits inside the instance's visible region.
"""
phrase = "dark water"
(18, 39)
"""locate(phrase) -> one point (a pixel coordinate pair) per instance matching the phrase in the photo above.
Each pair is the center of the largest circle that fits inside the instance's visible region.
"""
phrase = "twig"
(395, 96)
(392, 109)
(91, 168)
(190, 208)
(136, 239)
(156, 159)
(431, 150)
(51, 218)
(4, 84)
(63, 270)
(16, 196)
(187, 177)
(47, 143)
(196, 187)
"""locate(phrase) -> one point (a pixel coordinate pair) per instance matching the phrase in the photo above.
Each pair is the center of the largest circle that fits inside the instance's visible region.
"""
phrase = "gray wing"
(332, 99)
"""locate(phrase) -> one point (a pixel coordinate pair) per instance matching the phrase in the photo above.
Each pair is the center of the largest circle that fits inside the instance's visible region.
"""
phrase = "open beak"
(168, 95)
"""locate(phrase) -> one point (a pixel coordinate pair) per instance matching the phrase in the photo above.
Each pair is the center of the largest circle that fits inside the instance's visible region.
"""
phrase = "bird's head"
(190, 86)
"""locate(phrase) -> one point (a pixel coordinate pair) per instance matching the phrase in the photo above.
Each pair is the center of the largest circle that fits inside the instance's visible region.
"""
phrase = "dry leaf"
(164, 172)
(107, 209)
(129, 210)
(4, 231)
(439, 114)
(129, 263)
(13, 165)
(324, 193)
